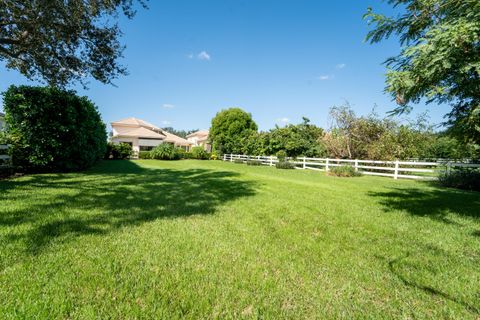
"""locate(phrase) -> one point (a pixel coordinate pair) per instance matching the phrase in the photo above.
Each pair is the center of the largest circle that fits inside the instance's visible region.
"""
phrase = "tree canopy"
(440, 58)
(295, 140)
(229, 128)
(63, 41)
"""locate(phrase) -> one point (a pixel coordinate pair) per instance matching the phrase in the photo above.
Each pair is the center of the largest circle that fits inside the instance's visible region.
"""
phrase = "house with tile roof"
(144, 136)
(200, 138)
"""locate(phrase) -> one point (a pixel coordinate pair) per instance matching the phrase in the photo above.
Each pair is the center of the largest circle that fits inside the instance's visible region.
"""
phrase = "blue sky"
(277, 59)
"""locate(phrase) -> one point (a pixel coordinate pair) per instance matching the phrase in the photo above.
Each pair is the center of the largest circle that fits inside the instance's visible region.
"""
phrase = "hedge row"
(52, 129)
(167, 151)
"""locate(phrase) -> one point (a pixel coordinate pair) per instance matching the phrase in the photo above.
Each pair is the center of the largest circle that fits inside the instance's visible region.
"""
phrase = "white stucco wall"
(193, 140)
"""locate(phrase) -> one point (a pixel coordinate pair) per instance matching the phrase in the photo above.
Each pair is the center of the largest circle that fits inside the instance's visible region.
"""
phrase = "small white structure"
(2, 121)
(144, 136)
(200, 139)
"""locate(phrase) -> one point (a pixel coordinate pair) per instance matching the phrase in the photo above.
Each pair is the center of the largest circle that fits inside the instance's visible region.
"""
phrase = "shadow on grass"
(395, 267)
(435, 203)
(115, 194)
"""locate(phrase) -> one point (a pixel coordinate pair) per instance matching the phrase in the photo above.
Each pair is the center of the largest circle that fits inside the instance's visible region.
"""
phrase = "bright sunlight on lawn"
(209, 239)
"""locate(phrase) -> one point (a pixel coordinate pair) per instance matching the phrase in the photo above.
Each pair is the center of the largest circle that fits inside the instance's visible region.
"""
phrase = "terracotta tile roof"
(199, 133)
(135, 122)
(144, 129)
(141, 133)
(176, 139)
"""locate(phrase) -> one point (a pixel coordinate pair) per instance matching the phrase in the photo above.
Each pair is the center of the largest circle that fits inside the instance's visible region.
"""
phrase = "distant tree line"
(181, 133)
(349, 137)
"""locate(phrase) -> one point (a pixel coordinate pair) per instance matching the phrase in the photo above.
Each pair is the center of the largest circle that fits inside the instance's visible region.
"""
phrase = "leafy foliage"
(118, 151)
(359, 137)
(464, 178)
(230, 128)
(284, 165)
(295, 140)
(52, 129)
(199, 153)
(215, 155)
(63, 41)
(344, 171)
(371, 137)
(448, 147)
(165, 151)
(145, 155)
(281, 155)
(440, 59)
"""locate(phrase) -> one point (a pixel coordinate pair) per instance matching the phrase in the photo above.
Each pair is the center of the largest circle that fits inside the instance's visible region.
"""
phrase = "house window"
(146, 148)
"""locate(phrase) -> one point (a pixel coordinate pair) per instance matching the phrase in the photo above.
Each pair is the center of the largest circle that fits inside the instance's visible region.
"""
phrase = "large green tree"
(297, 140)
(439, 60)
(230, 128)
(63, 41)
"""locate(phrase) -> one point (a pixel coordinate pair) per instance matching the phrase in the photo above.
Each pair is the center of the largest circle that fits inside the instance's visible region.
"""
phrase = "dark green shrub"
(164, 151)
(462, 178)
(254, 163)
(284, 165)
(52, 129)
(145, 155)
(117, 151)
(180, 153)
(344, 171)
(199, 153)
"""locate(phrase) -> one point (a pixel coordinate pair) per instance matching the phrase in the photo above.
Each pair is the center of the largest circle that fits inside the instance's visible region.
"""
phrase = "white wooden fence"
(5, 160)
(394, 169)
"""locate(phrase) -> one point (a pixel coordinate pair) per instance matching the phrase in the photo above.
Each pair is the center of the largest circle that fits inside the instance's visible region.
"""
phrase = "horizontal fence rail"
(394, 169)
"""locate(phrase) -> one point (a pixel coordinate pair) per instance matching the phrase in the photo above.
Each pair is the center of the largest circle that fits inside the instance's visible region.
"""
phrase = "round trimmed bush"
(284, 165)
(344, 171)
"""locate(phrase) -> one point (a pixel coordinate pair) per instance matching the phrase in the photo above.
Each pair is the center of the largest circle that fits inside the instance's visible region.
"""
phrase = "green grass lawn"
(205, 239)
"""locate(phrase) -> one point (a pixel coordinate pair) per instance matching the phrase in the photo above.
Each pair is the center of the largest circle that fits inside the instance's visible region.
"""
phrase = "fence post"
(326, 166)
(231, 157)
(304, 163)
(356, 165)
(271, 161)
(449, 167)
(395, 174)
